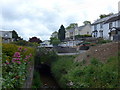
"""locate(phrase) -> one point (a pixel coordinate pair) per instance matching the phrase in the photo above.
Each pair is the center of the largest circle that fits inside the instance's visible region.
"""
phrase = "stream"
(46, 77)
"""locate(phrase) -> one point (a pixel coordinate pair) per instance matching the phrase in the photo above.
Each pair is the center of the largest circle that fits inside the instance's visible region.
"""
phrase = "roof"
(104, 19)
(71, 30)
(81, 27)
(115, 18)
(5, 31)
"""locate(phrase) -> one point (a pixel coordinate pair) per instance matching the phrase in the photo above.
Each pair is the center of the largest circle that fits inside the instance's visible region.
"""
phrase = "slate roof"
(115, 18)
(71, 30)
(81, 27)
(104, 19)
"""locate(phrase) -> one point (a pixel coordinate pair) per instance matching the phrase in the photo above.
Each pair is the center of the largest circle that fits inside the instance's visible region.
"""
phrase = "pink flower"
(27, 57)
(18, 62)
(17, 58)
(7, 63)
(20, 48)
(13, 60)
(30, 54)
(17, 54)
(25, 49)
(25, 60)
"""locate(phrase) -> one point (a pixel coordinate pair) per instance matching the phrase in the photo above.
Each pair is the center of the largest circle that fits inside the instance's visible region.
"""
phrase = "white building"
(46, 43)
(6, 36)
(102, 27)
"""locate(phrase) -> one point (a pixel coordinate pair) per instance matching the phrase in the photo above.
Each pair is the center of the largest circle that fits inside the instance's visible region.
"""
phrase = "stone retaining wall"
(65, 49)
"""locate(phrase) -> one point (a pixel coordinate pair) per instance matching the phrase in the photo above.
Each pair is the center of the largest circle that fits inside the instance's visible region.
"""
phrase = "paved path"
(81, 51)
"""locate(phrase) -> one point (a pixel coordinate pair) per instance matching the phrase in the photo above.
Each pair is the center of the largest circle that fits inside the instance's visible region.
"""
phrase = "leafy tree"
(86, 22)
(55, 41)
(55, 34)
(72, 25)
(105, 15)
(35, 39)
(15, 36)
(61, 33)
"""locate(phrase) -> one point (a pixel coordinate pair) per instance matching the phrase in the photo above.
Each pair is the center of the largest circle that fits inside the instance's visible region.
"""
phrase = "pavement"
(77, 53)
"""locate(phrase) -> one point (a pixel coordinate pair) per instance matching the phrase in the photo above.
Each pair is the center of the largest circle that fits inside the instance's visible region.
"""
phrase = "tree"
(35, 39)
(55, 41)
(86, 22)
(14, 35)
(72, 25)
(61, 33)
(105, 15)
(55, 34)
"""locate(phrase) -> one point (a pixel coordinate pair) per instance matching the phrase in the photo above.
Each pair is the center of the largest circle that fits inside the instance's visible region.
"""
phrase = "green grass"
(94, 75)
(36, 80)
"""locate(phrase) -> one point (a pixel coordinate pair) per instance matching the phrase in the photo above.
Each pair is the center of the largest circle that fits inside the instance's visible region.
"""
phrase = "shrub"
(102, 41)
(46, 56)
(16, 62)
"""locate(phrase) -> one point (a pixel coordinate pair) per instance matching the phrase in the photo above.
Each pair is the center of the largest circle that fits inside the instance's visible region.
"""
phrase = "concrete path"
(81, 51)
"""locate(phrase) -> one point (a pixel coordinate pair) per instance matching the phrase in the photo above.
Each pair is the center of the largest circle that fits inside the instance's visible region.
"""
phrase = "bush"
(25, 43)
(102, 41)
(16, 62)
(82, 36)
(46, 56)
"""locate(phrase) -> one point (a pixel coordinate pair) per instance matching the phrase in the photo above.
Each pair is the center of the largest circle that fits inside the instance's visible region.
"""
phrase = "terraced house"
(107, 28)
(75, 30)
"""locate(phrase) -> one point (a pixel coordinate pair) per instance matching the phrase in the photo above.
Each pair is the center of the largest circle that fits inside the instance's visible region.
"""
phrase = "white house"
(102, 27)
(46, 43)
(6, 36)
(112, 25)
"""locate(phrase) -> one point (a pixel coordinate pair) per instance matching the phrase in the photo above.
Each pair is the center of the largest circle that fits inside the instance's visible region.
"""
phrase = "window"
(95, 27)
(95, 33)
(101, 25)
(87, 32)
(110, 25)
(101, 33)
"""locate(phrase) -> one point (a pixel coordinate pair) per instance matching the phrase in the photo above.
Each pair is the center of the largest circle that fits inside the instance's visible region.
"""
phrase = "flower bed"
(16, 61)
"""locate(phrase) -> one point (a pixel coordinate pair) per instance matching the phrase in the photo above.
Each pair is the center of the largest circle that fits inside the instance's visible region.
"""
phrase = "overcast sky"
(42, 17)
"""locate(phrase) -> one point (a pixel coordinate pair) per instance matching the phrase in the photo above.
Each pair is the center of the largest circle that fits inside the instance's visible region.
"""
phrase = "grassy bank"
(36, 80)
(70, 74)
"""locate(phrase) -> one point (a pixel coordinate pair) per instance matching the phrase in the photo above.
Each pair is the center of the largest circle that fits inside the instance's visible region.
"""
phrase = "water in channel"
(47, 78)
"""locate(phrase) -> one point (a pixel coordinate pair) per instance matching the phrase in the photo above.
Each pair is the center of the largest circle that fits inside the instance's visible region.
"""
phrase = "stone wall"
(29, 78)
(65, 49)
